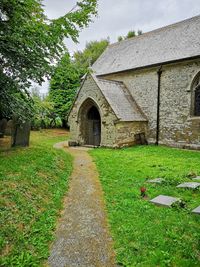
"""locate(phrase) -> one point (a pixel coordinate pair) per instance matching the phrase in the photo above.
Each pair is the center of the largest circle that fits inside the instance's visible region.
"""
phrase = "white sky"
(117, 17)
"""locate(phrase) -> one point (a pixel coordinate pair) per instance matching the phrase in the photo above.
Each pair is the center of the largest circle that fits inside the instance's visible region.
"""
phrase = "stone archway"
(90, 123)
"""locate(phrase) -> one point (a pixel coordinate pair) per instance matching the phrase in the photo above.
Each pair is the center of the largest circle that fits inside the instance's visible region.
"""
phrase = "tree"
(63, 87)
(30, 44)
(130, 34)
(84, 59)
(44, 115)
(67, 76)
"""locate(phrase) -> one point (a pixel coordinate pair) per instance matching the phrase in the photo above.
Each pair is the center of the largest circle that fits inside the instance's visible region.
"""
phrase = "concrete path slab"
(82, 236)
(164, 200)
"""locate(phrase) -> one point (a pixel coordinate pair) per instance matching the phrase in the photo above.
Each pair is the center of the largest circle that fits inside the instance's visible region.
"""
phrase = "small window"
(197, 101)
(195, 107)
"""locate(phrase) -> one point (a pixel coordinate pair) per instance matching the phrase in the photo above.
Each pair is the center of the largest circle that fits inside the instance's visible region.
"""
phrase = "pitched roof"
(120, 100)
(174, 42)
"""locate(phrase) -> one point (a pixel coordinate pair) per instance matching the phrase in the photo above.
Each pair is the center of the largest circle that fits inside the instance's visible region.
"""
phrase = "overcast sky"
(117, 17)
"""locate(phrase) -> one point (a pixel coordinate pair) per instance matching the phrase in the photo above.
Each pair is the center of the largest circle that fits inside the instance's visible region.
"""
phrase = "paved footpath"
(82, 235)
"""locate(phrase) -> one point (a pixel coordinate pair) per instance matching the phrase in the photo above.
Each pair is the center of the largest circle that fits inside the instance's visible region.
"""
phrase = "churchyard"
(35, 179)
(146, 234)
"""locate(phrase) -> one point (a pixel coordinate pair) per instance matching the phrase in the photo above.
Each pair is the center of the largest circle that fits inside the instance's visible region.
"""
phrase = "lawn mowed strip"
(145, 234)
(33, 183)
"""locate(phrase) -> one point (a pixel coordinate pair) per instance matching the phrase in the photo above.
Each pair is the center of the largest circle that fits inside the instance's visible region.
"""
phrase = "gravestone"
(20, 134)
(162, 200)
(3, 124)
(8, 128)
(190, 185)
(156, 180)
(196, 210)
(196, 178)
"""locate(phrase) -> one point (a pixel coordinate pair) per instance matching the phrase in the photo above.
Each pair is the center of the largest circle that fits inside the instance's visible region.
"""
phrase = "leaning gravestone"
(20, 133)
(190, 185)
(3, 124)
(162, 200)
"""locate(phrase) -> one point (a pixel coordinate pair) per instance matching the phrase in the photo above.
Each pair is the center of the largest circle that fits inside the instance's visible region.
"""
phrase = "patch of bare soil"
(58, 132)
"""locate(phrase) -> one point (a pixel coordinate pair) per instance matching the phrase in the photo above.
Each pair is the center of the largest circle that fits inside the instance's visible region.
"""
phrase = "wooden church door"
(94, 127)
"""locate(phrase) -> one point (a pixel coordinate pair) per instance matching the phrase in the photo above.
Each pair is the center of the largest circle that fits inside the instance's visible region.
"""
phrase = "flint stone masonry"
(90, 92)
(178, 127)
(128, 84)
(114, 133)
(162, 200)
(196, 210)
(156, 180)
(191, 185)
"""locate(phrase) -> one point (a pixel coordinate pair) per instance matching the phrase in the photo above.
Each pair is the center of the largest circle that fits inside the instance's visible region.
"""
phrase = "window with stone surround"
(197, 101)
(196, 96)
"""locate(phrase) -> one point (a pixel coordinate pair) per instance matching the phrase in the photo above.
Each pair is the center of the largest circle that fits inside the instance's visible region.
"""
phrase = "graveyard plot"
(33, 183)
(144, 234)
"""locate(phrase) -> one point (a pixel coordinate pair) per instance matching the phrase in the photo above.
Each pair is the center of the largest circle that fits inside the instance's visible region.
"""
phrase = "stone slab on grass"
(164, 200)
(196, 210)
(156, 180)
(191, 185)
(196, 178)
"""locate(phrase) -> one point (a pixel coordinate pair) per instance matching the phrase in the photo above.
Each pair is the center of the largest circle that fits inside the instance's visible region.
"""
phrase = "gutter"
(159, 72)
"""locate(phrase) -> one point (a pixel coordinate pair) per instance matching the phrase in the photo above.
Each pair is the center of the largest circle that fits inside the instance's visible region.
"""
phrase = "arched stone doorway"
(90, 123)
(94, 126)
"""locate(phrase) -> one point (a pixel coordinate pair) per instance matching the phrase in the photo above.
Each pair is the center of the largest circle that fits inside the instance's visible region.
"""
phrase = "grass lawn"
(33, 183)
(144, 234)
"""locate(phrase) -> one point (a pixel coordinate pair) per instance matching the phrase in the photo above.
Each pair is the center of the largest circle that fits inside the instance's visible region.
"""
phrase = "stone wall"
(91, 91)
(126, 131)
(114, 133)
(177, 125)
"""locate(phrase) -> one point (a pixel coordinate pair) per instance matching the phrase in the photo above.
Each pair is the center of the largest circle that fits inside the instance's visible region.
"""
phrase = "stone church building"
(143, 89)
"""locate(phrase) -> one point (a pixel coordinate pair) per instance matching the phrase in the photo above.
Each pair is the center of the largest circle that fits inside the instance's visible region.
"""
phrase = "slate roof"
(174, 42)
(120, 100)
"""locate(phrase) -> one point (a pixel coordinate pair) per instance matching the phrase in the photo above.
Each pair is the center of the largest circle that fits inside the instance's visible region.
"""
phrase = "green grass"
(144, 234)
(33, 183)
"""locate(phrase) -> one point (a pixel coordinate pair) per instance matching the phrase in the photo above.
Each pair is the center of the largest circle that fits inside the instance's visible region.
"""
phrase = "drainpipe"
(159, 72)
